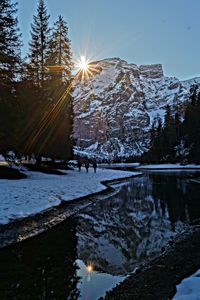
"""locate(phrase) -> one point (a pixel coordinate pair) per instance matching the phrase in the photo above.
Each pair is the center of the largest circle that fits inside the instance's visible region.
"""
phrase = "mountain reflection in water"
(136, 223)
(113, 235)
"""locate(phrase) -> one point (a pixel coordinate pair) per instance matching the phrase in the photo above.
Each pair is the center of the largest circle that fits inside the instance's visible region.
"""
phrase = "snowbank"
(2, 161)
(21, 198)
(189, 288)
(168, 166)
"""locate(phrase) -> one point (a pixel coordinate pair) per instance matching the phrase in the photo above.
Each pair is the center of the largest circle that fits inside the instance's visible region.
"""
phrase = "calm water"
(87, 255)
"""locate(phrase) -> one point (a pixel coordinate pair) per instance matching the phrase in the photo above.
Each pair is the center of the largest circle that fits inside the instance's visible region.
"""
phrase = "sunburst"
(85, 68)
(83, 64)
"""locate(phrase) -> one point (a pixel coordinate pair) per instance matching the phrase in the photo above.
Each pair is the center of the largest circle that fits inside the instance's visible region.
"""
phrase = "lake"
(90, 253)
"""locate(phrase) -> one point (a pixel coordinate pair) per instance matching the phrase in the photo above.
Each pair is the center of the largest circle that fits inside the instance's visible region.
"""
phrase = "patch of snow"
(189, 288)
(25, 197)
(2, 158)
(84, 115)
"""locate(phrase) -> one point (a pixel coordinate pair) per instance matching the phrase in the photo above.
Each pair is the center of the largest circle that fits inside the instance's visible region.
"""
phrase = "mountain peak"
(115, 108)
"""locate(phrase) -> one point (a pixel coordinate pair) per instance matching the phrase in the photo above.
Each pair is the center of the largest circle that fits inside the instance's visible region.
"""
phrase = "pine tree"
(37, 75)
(191, 117)
(193, 94)
(10, 43)
(177, 121)
(168, 117)
(59, 144)
(191, 125)
(57, 135)
(156, 152)
(10, 63)
(39, 44)
(177, 137)
(51, 134)
(60, 51)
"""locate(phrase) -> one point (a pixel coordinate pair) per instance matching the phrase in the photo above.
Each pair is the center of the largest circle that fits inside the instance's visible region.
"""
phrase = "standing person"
(79, 165)
(95, 166)
(87, 165)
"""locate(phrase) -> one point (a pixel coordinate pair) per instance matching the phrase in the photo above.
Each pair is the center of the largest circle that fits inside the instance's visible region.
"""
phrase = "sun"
(86, 69)
(83, 64)
(89, 268)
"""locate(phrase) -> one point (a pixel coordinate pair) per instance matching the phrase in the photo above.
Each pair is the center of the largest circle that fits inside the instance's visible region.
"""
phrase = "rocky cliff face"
(115, 108)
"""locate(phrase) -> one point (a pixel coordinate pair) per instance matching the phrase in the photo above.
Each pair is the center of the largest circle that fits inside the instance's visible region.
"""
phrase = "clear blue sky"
(139, 31)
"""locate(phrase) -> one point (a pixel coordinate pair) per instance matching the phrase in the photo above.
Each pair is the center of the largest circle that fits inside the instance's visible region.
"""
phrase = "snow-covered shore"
(25, 197)
(189, 288)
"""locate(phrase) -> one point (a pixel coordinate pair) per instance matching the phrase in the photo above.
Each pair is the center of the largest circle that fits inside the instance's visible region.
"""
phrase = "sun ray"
(48, 121)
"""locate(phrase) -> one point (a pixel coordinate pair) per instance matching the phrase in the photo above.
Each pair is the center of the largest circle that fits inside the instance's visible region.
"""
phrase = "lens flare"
(89, 268)
(83, 64)
(86, 69)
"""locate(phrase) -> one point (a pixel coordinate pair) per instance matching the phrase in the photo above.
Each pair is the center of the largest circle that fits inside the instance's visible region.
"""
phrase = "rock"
(114, 109)
(152, 71)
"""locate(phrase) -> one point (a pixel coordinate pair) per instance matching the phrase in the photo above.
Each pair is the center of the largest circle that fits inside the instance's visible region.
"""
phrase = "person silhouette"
(87, 166)
(95, 166)
(79, 165)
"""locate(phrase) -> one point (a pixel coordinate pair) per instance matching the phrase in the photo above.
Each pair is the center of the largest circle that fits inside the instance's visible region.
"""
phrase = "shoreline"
(27, 227)
(169, 166)
(158, 278)
(40, 191)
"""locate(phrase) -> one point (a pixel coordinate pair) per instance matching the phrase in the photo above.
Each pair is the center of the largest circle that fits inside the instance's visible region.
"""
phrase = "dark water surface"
(87, 255)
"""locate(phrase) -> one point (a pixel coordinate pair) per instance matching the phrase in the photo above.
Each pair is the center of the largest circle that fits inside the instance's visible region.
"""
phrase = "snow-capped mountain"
(114, 108)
